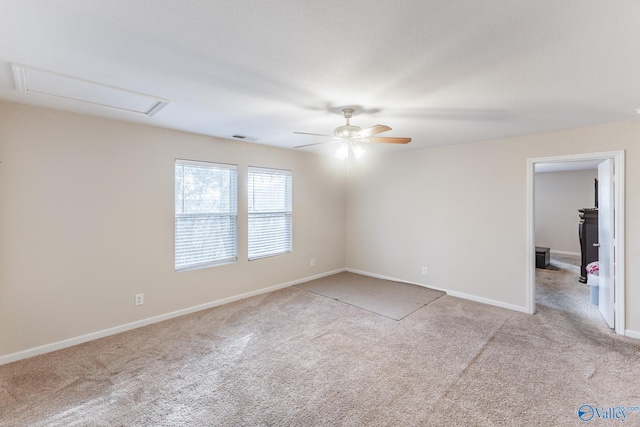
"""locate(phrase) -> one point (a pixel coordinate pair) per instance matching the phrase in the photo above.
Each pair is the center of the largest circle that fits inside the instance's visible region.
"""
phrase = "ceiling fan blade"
(315, 143)
(389, 140)
(373, 130)
(314, 134)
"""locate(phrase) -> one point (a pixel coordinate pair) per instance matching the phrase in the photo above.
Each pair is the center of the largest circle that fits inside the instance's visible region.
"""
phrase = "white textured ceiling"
(441, 72)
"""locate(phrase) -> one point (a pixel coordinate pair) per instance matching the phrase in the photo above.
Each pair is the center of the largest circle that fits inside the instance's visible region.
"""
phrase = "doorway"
(617, 242)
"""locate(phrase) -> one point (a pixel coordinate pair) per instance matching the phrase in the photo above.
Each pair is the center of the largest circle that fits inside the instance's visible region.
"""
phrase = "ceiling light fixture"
(348, 150)
(357, 150)
(343, 151)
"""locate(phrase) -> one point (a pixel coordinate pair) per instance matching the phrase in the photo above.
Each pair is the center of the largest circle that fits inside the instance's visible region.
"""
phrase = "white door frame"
(619, 193)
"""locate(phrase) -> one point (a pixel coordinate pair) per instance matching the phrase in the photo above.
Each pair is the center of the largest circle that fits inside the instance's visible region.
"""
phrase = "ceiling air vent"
(244, 137)
(62, 86)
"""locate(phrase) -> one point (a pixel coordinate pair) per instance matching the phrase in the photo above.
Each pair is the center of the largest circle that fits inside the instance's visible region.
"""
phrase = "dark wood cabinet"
(588, 235)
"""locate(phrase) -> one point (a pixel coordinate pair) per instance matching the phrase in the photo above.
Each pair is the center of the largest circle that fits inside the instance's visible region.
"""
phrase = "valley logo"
(588, 412)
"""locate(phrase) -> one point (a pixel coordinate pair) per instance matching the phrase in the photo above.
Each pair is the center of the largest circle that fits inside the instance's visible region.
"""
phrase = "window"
(269, 212)
(206, 214)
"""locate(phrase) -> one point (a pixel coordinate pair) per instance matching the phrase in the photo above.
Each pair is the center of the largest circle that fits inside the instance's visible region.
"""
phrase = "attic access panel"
(54, 84)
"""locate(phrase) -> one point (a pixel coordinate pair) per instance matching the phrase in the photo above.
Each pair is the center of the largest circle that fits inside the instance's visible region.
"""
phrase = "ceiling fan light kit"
(343, 152)
(349, 148)
(357, 151)
(351, 136)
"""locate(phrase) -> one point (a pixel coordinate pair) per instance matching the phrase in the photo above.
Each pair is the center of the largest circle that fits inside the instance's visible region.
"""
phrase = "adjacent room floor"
(558, 288)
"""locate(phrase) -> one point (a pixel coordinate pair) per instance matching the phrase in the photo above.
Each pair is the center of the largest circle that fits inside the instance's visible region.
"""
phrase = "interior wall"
(558, 196)
(461, 211)
(87, 222)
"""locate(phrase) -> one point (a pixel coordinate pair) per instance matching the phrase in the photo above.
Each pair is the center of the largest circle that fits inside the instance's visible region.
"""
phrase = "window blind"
(206, 212)
(269, 212)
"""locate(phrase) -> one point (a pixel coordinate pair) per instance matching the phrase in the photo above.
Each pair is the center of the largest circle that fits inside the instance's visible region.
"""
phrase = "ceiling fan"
(351, 136)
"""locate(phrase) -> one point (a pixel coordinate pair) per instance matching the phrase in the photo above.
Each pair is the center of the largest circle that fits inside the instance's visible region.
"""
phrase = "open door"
(612, 223)
(606, 240)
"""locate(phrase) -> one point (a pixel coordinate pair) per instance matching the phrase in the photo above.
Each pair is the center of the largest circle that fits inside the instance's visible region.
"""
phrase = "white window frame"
(260, 248)
(230, 256)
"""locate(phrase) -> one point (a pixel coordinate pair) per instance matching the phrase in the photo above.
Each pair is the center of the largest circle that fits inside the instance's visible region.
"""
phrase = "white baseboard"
(632, 334)
(393, 279)
(47, 348)
(577, 254)
(452, 293)
(489, 301)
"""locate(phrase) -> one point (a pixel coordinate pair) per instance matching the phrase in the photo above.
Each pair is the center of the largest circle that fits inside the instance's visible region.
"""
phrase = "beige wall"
(462, 212)
(558, 196)
(86, 222)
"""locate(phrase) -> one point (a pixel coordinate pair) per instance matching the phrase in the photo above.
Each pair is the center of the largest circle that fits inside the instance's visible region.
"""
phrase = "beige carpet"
(558, 288)
(293, 358)
(394, 300)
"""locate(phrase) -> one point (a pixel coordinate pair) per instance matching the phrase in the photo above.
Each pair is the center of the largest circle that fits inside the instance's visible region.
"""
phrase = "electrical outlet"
(424, 270)
(313, 263)
(139, 299)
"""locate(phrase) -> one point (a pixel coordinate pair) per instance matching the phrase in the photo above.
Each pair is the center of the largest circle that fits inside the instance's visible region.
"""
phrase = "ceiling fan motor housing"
(346, 131)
